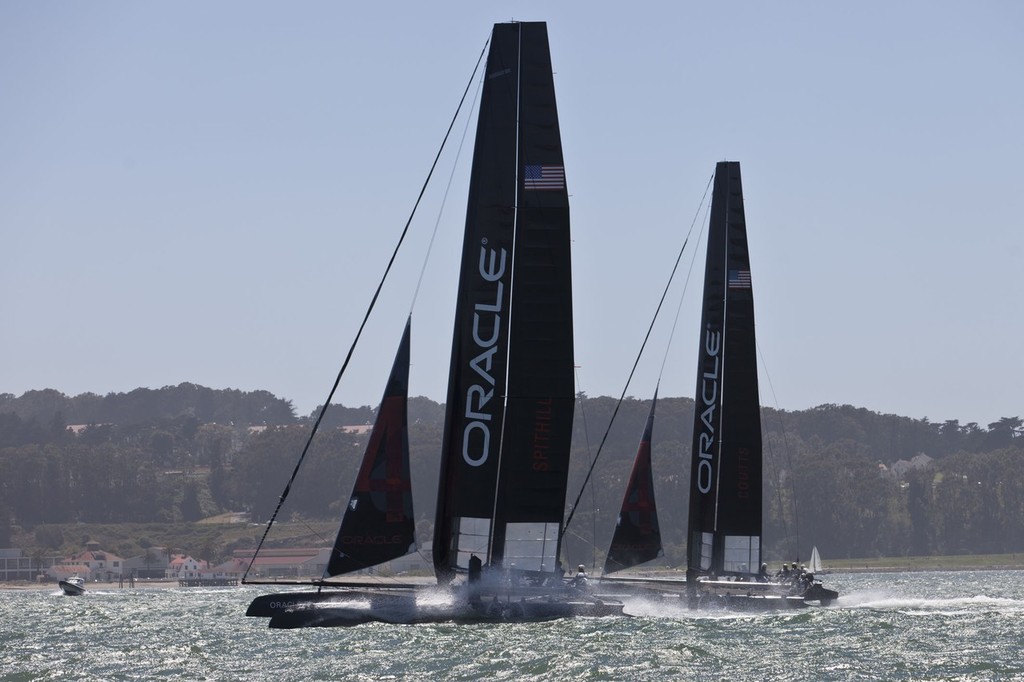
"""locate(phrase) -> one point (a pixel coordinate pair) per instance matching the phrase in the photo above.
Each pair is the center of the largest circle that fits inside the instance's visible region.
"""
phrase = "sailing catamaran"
(724, 523)
(505, 463)
(511, 392)
(511, 389)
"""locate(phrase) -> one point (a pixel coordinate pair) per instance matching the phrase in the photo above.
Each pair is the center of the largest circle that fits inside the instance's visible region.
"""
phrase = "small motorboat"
(73, 586)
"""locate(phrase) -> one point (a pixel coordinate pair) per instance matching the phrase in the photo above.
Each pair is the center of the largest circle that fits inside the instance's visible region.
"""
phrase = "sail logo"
(709, 400)
(542, 435)
(476, 435)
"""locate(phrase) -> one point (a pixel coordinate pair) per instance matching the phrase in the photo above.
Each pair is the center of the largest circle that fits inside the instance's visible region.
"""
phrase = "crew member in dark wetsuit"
(762, 575)
(475, 566)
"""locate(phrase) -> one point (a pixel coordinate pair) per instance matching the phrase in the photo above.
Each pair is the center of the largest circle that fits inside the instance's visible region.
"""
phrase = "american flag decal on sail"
(544, 177)
(739, 279)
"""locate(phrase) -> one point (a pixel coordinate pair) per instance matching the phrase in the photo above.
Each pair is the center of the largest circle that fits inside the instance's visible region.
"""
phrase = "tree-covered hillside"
(854, 482)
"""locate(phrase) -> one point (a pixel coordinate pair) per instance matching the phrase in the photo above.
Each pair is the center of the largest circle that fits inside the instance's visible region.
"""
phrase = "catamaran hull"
(743, 596)
(353, 607)
(735, 595)
(751, 603)
(821, 594)
(339, 615)
(269, 605)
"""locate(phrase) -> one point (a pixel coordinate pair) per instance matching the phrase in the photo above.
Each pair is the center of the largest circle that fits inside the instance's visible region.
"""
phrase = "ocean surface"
(885, 626)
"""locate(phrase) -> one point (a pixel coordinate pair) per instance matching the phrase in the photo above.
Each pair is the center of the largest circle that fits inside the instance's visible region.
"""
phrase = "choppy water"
(910, 626)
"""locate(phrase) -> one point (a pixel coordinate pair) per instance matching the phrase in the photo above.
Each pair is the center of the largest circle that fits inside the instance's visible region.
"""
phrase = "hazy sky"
(209, 192)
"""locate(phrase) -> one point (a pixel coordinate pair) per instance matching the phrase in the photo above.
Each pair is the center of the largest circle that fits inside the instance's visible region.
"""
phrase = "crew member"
(581, 577)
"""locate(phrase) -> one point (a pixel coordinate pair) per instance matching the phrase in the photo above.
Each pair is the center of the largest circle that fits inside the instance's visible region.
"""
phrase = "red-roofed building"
(183, 567)
(232, 569)
(311, 562)
(286, 563)
(65, 571)
(92, 564)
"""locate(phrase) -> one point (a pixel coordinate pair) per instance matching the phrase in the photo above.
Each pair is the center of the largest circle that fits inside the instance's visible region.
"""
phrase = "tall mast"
(724, 527)
(508, 424)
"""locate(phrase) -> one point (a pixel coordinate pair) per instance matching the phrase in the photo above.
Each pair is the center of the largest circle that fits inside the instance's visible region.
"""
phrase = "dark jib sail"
(378, 524)
(724, 532)
(510, 401)
(637, 537)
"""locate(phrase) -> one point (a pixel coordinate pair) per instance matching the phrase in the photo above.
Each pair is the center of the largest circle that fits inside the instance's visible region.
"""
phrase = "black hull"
(821, 594)
(772, 595)
(719, 594)
(762, 601)
(525, 611)
(412, 606)
(269, 605)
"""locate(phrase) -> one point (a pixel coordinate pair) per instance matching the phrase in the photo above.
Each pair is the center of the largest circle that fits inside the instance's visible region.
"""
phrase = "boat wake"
(929, 605)
(640, 607)
(880, 600)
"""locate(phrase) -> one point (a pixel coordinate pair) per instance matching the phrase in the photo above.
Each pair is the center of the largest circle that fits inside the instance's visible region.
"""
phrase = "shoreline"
(920, 569)
(24, 586)
(175, 583)
(912, 564)
(164, 584)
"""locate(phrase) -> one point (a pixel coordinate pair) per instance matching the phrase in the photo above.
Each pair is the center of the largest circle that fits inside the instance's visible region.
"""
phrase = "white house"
(92, 564)
(183, 567)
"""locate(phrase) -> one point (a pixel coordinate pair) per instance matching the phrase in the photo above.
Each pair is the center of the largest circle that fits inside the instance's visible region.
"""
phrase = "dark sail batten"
(724, 531)
(378, 524)
(511, 382)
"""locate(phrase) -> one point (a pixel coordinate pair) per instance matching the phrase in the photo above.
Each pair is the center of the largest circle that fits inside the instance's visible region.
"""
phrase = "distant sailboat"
(814, 566)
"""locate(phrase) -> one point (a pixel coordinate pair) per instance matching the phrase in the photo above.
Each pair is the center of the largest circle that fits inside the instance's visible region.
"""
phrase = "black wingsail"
(378, 524)
(541, 387)
(637, 537)
(724, 530)
(510, 394)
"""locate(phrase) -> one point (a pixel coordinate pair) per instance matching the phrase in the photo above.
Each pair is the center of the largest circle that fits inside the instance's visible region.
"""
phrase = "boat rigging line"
(582, 399)
(643, 346)
(366, 316)
(788, 452)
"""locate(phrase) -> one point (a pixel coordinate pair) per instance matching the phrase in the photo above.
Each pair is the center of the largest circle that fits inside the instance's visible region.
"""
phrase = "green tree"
(190, 508)
(161, 443)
